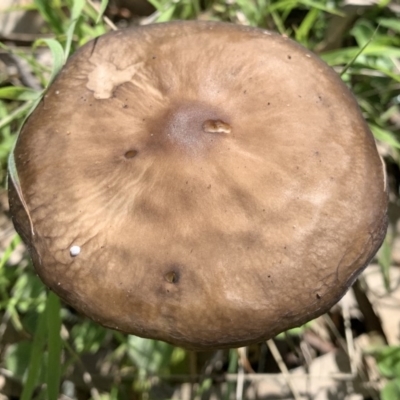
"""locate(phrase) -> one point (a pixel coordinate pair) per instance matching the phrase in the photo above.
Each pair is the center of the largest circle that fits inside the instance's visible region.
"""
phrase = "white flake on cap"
(74, 251)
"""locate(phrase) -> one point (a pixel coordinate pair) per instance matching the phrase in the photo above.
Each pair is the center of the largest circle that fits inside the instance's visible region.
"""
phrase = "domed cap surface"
(206, 184)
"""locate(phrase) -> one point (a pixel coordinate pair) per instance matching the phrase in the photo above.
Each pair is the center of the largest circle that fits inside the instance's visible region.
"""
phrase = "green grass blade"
(390, 23)
(5, 131)
(345, 55)
(322, 6)
(57, 53)
(36, 357)
(12, 167)
(13, 173)
(390, 74)
(167, 14)
(391, 390)
(385, 136)
(385, 261)
(303, 32)
(232, 369)
(75, 14)
(362, 49)
(50, 16)
(8, 251)
(286, 4)
(103, 6)
(58, 61)
(17, 113)
(279, 23)
(53, 377)
(363, 68)
(18, 93)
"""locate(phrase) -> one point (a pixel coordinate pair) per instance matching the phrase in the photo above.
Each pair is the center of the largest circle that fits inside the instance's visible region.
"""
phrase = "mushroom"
(201, 183)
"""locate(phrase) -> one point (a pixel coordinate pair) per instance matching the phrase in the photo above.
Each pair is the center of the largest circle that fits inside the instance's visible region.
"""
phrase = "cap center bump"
(216, 126)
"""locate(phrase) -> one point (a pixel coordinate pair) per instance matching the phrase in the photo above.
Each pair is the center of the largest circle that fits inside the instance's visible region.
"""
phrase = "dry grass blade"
(282, 366)
(97, 8)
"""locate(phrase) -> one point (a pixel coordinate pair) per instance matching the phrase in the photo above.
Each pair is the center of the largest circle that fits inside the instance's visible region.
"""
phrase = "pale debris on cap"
(74, 251)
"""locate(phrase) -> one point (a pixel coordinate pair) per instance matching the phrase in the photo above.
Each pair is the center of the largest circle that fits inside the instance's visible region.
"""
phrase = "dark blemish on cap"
(216, 126)
(130, 153)
(289, 57)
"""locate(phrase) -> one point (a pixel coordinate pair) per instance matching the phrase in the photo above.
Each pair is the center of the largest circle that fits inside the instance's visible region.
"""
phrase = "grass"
(50, 343)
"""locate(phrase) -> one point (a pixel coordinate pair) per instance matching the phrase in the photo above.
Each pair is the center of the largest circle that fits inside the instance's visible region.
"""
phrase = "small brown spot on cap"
(130, 153)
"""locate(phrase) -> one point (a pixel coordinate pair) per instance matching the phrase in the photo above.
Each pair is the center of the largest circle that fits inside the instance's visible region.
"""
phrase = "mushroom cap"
(202, 183)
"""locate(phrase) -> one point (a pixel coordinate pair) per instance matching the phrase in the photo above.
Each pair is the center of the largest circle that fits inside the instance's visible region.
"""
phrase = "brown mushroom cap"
(219, 181)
